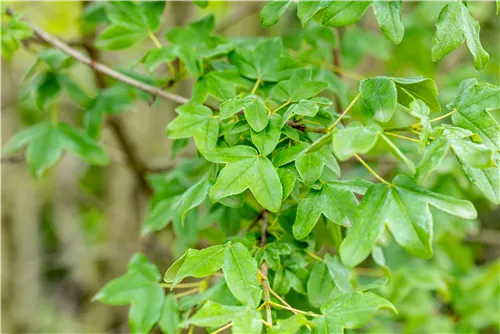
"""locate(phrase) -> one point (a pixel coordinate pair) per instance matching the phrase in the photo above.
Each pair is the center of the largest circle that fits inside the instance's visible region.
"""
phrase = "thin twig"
(45, 37)
(378, 177)
(222, 328)
(331, 127)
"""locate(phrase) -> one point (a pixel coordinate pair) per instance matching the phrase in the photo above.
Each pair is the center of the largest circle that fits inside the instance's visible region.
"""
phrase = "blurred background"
(65, 235)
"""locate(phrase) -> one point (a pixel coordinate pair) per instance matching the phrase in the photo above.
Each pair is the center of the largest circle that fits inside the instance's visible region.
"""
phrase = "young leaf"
(307, 9)
(417, 88)
(486, 179)
(333, 200)
(194, 196)
(404, 207)
(267, 139)
(340, 274)
(253, 107)
(161, 214)
(198, 263)
(195, 121)
(354, 139)
(271, 13)
(353, 310)
(212, 314)
(320, 285)
(169, 319)
(257, 174)
(240, 272)
(139, 287)
(289, 154)
(472, 102)
(299, 87)
(291, 325)
(455, 24)
(343, 13)
(380, 96)
(388, 14)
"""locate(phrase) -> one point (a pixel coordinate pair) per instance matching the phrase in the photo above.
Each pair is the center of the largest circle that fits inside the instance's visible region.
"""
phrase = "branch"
(51, 40)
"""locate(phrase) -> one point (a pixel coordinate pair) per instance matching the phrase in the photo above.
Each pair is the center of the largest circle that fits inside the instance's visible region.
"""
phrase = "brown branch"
(264, 268)
(96, 66)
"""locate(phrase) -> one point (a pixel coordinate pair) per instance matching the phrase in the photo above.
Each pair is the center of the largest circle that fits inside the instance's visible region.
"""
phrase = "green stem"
(444, 116)
(378, 177)
(154, 39)
(280, 107)
(402, 137)
(331, 127)
(254, 89)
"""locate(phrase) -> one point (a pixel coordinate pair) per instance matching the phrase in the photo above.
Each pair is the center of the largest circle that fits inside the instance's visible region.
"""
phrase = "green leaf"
(320, 285)
(307, 9)
(291, 325)
(472, 102)
(240, 272)
(253, 107)
(299, 87)
(267, 139)
(343, 13)
(354, 139)
(449, 34)
(194, 196)
(404, 207)
(398, 154)
(257, 174)
(305, 107)
(12, 34)
(486, 179)
(139, 287)
(46, 144)
(454, 26)
(417, 88)
(74, 90)
(333, 200)
(155, 57)
(131, 23)
(262, 62)
(212, 314)
(47, 89)
(289, 154)
(388, 14)
(340, 274)
(169, 319)
(198, 263)
(195, 121)
(160, 215)
(201, 3)
(271, 13)
(353, 310)
(231, 154)
(456, 139)
(380, 96)
(288, 175)
(310, 166)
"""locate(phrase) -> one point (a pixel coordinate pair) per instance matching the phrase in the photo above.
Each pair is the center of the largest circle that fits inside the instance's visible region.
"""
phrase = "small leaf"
(257, 174)
(271, 13)
(267, 139)
(307, 9)
(200, 263)
(353, 310)
(343, 13)
(340, 274)
(240, 272)
(388, 14)
(169, 320)
(380, 96)
(320, 285)
(194, 196)
(354, 139)
(417, 88)
(253, 107)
